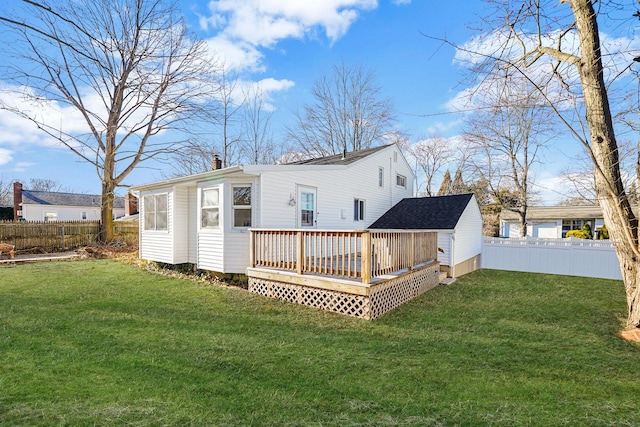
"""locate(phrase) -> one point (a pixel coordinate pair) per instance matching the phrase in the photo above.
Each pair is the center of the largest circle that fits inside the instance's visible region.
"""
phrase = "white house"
(457, 220)
(204, 219)
(31, 205)
(552, 222)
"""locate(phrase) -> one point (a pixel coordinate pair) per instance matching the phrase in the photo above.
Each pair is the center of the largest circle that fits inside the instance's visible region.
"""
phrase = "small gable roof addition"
(425, 213)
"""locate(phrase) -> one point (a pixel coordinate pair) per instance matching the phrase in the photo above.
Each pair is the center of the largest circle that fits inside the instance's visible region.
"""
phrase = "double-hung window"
(401, 181)
(210, 209)
(155, 212)
(380, 177)
(358, 210)
(242, 206)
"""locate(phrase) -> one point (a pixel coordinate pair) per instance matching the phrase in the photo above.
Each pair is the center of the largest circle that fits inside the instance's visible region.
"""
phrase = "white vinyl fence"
(572, 257)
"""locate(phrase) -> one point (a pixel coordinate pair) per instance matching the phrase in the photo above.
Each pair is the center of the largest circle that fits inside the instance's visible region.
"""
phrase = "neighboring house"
(457, 220)
(29, 205)
(552, 222)
(204, 219)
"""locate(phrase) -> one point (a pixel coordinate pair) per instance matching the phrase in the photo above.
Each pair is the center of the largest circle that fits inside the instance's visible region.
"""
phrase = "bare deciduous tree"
(431, 156)
(6, 192)
(121, 73)
(559, 50)
(258, 143)
(45, 184)
(229, 118)
(508, 131)
(348, 113)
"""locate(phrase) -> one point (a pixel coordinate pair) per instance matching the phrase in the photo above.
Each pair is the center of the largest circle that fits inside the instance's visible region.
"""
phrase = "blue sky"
(287, 44)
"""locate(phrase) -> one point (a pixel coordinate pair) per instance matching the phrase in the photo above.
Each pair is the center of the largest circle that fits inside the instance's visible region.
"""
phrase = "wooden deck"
(362, 273)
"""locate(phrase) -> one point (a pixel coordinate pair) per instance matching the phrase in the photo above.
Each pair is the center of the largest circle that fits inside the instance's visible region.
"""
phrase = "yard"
(102, 342)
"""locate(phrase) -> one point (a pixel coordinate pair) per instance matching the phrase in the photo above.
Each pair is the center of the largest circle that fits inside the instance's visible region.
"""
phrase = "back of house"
(204, 219)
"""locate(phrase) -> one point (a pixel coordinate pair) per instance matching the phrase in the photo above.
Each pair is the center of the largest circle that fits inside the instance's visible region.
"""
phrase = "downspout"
(451, 257)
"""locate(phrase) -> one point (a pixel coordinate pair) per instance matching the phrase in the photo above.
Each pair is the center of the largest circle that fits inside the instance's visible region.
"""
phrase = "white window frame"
(381, 177)
(401, 181)
(49, 216)
(359, 209)
(83, 215)
(155, 212)
(235, 207)
(214, 206)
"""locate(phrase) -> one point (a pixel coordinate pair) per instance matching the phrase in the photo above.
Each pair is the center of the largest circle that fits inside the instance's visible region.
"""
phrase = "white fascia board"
(204, 176)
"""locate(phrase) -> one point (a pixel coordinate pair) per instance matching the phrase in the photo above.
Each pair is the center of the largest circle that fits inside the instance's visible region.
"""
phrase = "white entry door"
(307, 213)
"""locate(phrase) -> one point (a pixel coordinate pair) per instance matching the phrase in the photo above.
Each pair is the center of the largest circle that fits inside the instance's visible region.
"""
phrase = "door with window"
(307, 213)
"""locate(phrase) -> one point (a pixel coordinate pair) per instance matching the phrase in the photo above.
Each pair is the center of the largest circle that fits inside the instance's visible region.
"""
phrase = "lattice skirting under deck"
(382, 298)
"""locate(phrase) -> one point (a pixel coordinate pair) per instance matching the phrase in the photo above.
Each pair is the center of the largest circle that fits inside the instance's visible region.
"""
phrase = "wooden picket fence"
(60, 235)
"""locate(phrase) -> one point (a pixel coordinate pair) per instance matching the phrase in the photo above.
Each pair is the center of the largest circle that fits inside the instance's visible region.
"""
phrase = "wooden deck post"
(366, 257)
(300, 252)
(252, 248)
(412, 250)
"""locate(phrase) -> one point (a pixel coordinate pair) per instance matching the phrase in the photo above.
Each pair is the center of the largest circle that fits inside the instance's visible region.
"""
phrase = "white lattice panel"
(395, 292)
(384, 297)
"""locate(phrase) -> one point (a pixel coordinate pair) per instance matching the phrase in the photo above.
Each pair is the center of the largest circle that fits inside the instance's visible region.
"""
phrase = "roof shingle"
(424, 213)
(65, 199)
(340, 159)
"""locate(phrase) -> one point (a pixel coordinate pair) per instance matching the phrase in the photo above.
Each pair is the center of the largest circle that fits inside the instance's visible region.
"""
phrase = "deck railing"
(359, 254)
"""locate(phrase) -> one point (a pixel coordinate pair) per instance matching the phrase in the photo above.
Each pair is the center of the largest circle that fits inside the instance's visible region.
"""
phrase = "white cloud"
(6, 156)
(246, 26)
(265, 22)
(268, 88)
(238, 56)
(269, 85)
(22, 166)
(401, 2)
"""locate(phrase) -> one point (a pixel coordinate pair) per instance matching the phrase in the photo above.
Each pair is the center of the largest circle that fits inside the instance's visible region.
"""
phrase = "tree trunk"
(523, 223)
(106, 211)
(619, 217)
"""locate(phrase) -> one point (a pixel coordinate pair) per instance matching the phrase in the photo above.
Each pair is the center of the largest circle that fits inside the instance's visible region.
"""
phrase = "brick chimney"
(130, 204)
(17, 201)
(216, 163)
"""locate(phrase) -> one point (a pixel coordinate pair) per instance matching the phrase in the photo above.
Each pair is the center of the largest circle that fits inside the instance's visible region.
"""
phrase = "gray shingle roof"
(424, 213)
(339, 159)
(65, 199)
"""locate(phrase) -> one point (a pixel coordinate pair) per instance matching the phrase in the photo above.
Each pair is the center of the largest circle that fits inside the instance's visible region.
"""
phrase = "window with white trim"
(401, 181)
(242, 206)
(210, 208)
(50, 216)
(155, 211)
(358, 210)
(83, 215)
(380, 177)
(575, 224)
(307, 208)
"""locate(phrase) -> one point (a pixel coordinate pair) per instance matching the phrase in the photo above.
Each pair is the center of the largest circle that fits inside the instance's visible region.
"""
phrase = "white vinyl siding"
(210, 251)
(468, 234)
(36, 212)
(193, 225)
(445, 243)
(180, 208)
(336, 189)
(157, 245)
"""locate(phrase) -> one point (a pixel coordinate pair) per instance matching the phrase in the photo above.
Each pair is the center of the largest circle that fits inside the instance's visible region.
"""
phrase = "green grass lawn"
(102, 342)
